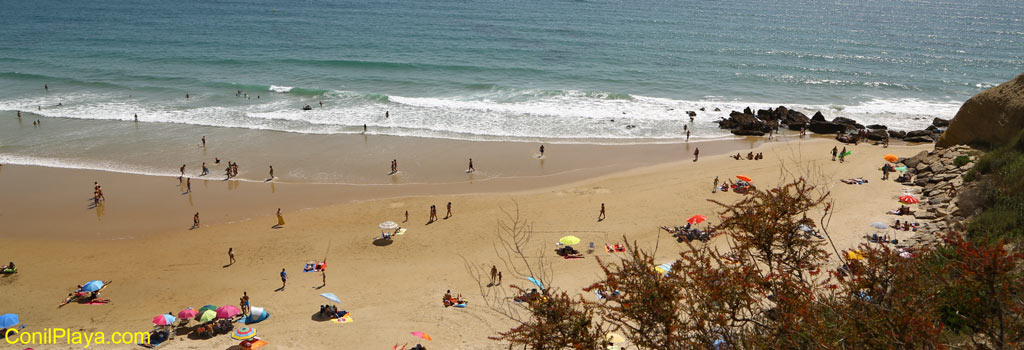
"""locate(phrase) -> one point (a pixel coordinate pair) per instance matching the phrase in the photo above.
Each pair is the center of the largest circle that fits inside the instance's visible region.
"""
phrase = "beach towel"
(343, 319)
(569, 257)
(400, 232)
(97, 303)
(461, 306)
(258, 344)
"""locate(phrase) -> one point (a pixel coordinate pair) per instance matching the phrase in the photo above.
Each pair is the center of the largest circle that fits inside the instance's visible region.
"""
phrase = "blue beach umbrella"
(331, 297)
(92, 286)
(164, 320)
(536, 282)
(8, 320)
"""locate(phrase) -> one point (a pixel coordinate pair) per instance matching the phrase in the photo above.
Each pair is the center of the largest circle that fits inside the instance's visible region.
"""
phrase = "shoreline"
(156, 204)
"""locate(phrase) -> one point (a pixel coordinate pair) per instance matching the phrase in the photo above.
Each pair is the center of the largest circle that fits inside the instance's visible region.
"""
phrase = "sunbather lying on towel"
(617, 248)
(10, 268)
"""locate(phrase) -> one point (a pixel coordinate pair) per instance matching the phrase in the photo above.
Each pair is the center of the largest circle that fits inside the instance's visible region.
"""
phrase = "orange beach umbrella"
(744, 178)
(891, 157)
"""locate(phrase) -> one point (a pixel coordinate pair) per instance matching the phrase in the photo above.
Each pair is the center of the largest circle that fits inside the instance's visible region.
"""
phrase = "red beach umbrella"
(744, 178)
(908, 199)
(696, 219)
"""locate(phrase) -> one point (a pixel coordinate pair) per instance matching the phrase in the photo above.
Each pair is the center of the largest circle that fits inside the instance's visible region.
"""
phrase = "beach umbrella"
(854, 255)
(569, 240)
(187, 313)
(331, 297)
(388, 225)
(8, 320)
(421, 335)
(891, 157)
(536, 282)
(663, 268)
(92, 286)
(879, 225)
(256, 314)
(804, 228)
(908, 199)
(696, 219)
(243, 333)
(164, 320)
(744, 178)
(227, 311)
(614, 338)
(206, 316)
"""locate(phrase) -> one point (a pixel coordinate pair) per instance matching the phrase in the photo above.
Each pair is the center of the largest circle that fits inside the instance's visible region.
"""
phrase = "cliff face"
(991, 117)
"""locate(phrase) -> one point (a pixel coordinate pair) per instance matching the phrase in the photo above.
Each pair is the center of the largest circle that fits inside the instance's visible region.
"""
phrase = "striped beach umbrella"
(908, 199)
(243, 333)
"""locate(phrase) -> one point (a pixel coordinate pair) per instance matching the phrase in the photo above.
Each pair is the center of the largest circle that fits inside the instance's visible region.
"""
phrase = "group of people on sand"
(9, 268)
(86, 297)
(750, 156)
(905, 226)
(448, 300)
(97, 194)
(689, 233)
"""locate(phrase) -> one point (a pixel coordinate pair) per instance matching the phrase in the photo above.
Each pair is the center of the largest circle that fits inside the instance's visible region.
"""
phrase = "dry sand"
(389, 290)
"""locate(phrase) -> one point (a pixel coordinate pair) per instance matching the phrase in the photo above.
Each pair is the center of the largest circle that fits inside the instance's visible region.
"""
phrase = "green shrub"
(961, 160)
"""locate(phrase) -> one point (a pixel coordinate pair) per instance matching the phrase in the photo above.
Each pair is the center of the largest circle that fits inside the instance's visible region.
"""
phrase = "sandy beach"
(389, 290)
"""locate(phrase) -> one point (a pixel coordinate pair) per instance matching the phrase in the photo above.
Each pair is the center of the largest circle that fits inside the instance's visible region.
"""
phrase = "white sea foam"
(281, 89)
(570, 116)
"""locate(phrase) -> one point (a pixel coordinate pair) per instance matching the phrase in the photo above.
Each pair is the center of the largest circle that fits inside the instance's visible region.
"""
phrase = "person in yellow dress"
(280, 219)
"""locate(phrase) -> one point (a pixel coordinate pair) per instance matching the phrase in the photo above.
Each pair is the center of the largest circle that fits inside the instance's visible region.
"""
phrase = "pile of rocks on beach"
(935, 173)
(763, 121)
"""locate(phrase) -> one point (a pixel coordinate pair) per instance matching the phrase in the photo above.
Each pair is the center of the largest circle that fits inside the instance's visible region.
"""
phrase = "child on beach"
(195, 221)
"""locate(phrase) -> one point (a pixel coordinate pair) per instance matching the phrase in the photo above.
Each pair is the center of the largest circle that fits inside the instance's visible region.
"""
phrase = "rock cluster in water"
(749, 123)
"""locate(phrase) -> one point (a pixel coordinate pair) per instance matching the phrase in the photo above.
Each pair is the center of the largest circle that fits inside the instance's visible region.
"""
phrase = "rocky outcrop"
(823, 127)
(991, 117)
(940, 123)
(939, 181)
(919, 136)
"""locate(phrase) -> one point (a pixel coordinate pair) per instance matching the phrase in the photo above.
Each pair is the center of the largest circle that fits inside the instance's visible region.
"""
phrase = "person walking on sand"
(835, 151)
(471, 168)
(280, 218)
(231, 256)
(206, 171)
(394, 166)
(494, 273)
(284, 278)
(195, 221)
(449, 214)
(323, 277)
(715, 187)
(188, 185)
(600, 217)
(499, 278)
(406, 217)
(243, 303)
(542, 151)
(696, 154)
(433, 213)
(842, 155)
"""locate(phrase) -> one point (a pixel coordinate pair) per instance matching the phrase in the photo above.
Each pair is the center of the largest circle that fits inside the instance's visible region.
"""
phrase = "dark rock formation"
(818, 117)
(939, 122)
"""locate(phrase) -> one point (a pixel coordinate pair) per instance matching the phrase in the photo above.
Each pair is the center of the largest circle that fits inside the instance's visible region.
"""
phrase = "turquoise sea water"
(493, 70)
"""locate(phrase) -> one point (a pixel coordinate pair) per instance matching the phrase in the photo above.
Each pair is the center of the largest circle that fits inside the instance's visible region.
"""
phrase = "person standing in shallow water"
(471, 168)
(204, 141)
(271, 172)
(542, 151)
